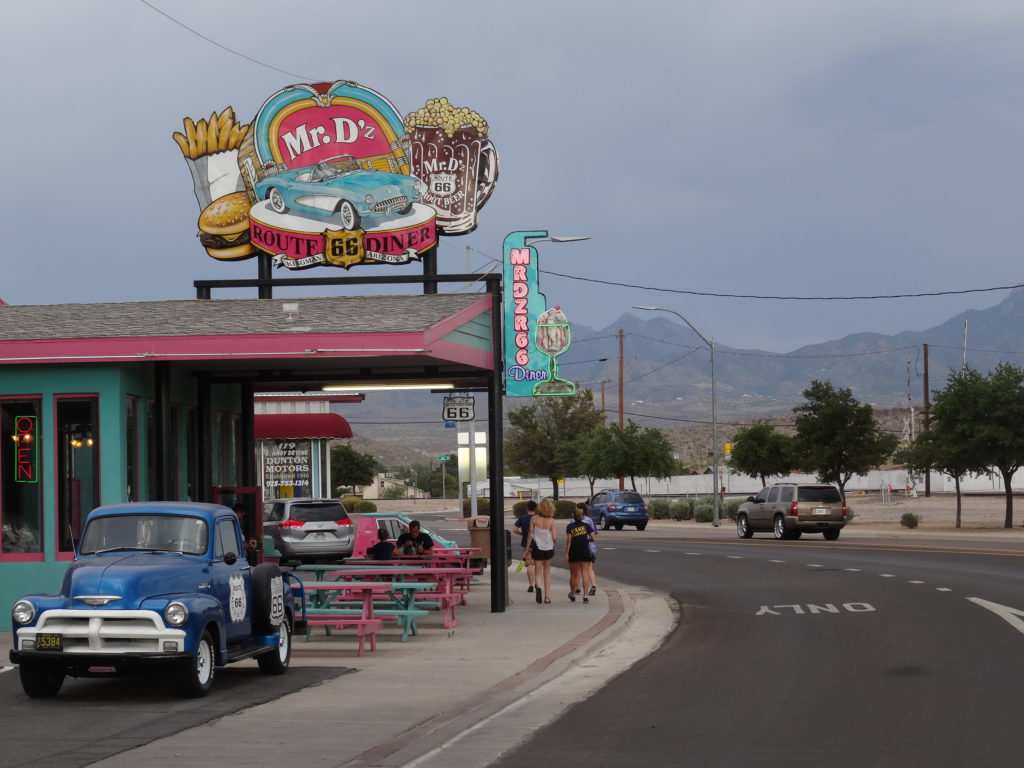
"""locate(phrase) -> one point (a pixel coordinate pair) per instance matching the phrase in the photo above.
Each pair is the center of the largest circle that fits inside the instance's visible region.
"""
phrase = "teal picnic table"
(370, 600)
(449, 583)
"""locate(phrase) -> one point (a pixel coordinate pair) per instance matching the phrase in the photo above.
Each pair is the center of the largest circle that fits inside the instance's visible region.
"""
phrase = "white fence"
(744, 485)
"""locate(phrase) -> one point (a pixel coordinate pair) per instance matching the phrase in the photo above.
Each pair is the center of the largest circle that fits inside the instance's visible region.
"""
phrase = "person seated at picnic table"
(414, 542)
(383, 549)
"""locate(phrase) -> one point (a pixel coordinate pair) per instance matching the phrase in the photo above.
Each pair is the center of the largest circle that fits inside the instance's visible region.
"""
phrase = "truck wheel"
(603, 522)
(831, 534)
(779, 529)
(267, 598)
(41, 682)
(743, 529)
(195, 680)
(276, 662)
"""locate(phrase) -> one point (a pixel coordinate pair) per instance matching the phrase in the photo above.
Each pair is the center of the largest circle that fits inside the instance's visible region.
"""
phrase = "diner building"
(116, 402)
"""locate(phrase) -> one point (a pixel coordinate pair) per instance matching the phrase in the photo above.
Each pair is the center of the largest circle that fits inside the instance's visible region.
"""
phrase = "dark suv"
(614, 507)
(791, 509)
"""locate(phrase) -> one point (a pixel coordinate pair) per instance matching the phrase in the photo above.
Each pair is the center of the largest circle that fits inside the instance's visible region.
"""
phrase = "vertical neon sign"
(26, 464)
(529, 366)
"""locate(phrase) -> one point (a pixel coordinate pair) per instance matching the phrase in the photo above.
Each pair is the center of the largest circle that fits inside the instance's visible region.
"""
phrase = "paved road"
(864, 652)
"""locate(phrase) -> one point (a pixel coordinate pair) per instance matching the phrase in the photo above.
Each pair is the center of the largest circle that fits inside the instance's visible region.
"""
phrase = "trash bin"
(480, 535)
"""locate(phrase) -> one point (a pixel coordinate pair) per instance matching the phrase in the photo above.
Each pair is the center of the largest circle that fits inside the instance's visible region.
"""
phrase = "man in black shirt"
(414, 542)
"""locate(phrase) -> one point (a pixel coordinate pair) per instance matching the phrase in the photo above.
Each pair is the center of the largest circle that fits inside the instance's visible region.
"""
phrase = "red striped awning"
(297, 426)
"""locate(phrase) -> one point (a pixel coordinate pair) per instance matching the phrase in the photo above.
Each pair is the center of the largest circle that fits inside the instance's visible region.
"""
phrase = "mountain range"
(667, 376)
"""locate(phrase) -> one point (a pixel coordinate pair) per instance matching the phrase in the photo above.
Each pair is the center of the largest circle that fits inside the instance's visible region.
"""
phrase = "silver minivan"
(307, 529)
(788, 510)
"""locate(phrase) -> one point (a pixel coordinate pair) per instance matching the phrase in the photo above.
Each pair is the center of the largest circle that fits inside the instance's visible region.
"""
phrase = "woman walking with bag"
(541, 543)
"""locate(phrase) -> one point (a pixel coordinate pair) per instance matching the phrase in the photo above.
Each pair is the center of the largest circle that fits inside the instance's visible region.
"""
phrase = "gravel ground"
(936, 512)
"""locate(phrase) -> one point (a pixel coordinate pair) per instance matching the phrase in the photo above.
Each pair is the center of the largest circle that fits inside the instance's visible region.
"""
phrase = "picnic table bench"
(365, 604)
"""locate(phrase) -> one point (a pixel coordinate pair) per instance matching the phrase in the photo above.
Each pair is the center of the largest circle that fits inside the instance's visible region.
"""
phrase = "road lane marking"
(776, 561)
(695, 554)
(734, 557)
(943, 589)
(852, 570)
(654, 551)
(814, 565)
(887, 575)
(1013, 616)
(915, 582)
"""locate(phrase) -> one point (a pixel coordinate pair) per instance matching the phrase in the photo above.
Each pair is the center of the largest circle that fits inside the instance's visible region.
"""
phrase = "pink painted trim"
(457, 353)
(23, 557)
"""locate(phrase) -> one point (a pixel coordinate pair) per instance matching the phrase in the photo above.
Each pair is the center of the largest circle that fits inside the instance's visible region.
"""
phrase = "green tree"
(952, 443)
(547, 437)
(992, 408)
(761, 451)
(629, 452)
(350, 468)
(837, 436)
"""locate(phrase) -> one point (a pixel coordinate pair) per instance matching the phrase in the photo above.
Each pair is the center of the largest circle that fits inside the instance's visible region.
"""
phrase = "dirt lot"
(936, 512)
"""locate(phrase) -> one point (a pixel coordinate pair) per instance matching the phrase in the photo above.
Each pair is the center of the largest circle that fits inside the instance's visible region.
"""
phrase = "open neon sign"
(26, 464)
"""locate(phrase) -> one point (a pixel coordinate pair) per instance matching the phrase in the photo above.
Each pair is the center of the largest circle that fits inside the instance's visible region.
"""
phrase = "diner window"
(131, 447)
(78, 466)
(191, 454)
(152, 465)
(172, 442)
(220, 455)
(21, 498)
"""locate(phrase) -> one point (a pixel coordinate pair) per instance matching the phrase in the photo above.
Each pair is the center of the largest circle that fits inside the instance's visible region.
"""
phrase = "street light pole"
(716, 519)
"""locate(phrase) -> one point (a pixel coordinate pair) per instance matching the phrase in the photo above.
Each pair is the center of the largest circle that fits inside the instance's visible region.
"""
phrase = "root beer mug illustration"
(451, 154)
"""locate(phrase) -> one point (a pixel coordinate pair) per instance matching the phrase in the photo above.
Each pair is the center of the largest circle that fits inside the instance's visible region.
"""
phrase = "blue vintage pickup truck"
(157, 584)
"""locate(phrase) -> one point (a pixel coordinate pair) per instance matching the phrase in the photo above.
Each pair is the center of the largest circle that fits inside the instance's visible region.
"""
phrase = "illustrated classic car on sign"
(157, 585)
(340, 185)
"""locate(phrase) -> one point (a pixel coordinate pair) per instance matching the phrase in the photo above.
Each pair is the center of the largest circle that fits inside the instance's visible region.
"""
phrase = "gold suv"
(791, 509)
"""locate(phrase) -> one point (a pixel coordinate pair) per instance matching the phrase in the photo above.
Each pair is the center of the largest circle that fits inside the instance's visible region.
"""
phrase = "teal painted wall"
(112, 383)
(476, 333)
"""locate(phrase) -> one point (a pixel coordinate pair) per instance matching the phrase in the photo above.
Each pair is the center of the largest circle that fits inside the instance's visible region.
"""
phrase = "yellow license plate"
(49, 642)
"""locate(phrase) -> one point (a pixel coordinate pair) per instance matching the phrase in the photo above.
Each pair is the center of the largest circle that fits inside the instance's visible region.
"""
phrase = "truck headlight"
(369, 200)
(23, 612)
(175, 614)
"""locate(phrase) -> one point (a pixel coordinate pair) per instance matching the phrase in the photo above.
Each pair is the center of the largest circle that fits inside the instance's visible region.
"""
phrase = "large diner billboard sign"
(535, 334)
(331, 174)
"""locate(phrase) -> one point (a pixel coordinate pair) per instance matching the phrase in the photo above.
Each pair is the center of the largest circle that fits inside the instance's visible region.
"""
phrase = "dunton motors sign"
(331, 174)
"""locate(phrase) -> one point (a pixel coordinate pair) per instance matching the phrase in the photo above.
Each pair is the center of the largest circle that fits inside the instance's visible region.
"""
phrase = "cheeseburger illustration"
(224, 228)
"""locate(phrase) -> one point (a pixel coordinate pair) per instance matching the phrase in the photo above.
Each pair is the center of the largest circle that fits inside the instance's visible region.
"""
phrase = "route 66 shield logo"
(442, 183)
(344, 248)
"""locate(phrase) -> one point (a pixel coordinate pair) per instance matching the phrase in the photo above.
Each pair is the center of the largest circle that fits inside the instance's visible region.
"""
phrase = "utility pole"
(927, 406)
(622, 404)
(602, 382)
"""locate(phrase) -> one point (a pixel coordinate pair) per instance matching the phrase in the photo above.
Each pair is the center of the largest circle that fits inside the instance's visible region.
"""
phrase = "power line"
(222, 46)
(619, 284)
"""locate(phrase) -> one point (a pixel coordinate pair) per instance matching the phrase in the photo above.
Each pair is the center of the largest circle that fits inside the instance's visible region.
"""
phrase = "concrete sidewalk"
(446, 697)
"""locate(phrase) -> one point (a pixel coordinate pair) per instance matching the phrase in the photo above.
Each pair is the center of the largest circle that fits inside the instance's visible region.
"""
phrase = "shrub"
(660, 509)
(349, 503)
(682, 509)
(909, 520)
(362, 506)
(729, 508)
(519, 509)
(483, 506)
(703, 510)
(564, 508)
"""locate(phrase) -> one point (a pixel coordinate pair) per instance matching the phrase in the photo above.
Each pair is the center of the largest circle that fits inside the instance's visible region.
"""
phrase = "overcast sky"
(814, 148)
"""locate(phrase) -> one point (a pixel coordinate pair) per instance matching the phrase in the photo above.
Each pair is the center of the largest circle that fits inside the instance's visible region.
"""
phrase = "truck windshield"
(151, 533)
